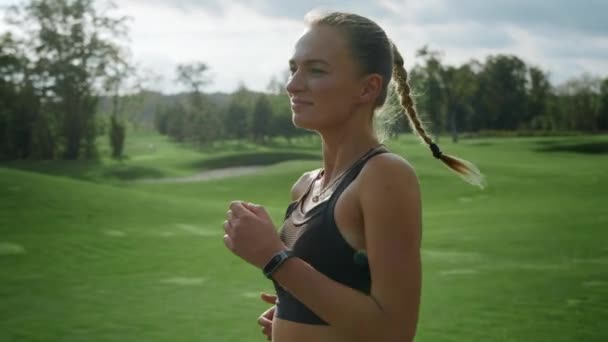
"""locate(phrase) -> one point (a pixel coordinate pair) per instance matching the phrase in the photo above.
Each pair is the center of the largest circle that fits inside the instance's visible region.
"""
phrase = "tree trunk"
(453, 127)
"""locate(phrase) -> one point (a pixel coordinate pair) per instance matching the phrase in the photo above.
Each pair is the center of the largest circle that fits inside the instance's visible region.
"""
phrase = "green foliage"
(581, 103)
(193, 75)
(524, 260)
(460, 92)
(192, 118)
(67, 51)
(430, 78)
(161, 120)
(282, 118)
(503, 93)
(18, 102)
(237, 121)
(261, 119)
(603, 108)
(65, 71)
(538, 96)
(502, 99)
(117, 137)
(177, 123)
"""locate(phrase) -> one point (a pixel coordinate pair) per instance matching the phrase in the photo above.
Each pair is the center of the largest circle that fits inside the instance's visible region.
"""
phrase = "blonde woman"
(346, 261)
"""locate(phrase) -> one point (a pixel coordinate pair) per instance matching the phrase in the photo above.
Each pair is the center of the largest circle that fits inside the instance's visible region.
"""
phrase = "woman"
(346, 262)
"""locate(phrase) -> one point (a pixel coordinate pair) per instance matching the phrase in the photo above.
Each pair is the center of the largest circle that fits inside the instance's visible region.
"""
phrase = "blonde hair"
(375, 53)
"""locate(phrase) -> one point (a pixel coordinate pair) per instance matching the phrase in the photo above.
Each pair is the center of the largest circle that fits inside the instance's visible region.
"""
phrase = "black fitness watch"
(276, 261)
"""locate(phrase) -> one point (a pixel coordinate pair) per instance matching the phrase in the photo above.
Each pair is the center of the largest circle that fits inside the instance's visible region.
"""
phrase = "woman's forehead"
(320, 43)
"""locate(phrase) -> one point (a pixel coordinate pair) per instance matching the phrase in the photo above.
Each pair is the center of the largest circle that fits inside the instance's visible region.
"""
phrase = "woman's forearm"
(345, 308)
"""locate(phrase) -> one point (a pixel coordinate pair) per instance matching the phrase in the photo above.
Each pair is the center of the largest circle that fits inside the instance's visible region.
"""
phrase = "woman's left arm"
(391, 205)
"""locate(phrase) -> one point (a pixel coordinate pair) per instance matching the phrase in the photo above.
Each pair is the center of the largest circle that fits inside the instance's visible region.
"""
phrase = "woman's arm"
(391, 206)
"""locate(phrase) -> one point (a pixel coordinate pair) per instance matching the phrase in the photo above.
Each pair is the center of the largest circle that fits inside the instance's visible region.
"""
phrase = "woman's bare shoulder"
(386, 169)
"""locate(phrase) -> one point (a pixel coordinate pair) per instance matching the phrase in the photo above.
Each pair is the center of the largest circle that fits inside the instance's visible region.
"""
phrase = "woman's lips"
(299, 103)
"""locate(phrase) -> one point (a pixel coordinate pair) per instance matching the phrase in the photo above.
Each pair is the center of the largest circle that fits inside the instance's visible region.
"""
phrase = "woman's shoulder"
(387, 169)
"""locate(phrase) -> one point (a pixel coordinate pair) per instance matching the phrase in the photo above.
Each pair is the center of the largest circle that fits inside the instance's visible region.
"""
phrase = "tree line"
(66, 80)
(503, 93)
(202, 119)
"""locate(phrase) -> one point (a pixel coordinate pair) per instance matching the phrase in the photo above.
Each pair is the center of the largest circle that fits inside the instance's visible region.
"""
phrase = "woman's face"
(324, 83)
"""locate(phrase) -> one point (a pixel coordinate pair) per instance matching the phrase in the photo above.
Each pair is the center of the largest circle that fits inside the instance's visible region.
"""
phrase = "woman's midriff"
(288, 331)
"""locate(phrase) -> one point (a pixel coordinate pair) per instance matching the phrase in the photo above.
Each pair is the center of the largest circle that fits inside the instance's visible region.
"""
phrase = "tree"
(276, 86)
(236, 120)
(117, 137)
(502, 92)
(262, 117)
(603, 108)
(73, 47)
(176, 123)
(12, 128)
(113, 83)
(460, 89)
(580, 103)
(431, 80)
(161, 120)
(282, 119)
(193, 75)
(202, 123)
(538, 97)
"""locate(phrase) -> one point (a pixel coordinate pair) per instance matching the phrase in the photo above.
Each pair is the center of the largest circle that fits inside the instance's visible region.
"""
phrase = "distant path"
(206, 175)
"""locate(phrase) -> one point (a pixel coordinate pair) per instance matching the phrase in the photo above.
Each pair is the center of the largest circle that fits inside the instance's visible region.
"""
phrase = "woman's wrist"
(276, 261)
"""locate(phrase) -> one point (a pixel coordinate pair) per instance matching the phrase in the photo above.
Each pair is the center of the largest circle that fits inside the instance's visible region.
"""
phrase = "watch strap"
(276, 261)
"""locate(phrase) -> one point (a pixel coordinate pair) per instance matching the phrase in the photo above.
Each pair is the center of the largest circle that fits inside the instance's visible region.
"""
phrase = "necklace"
(316, 197)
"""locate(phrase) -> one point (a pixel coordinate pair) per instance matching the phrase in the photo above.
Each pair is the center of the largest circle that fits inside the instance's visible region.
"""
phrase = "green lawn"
(87, 254)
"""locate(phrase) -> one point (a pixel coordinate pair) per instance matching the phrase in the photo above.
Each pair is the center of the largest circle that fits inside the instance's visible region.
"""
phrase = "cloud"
(584, 16)
(241, 45)
(251, 40)
(460, 34)
(275, 8)
(564, 37)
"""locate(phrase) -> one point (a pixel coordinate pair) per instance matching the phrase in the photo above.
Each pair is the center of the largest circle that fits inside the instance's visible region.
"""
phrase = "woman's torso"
(288, 331)
(349, 222)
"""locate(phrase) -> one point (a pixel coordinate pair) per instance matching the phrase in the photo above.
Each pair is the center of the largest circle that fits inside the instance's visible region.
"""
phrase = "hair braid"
(403, 90)
(376, 54)
(463, 168)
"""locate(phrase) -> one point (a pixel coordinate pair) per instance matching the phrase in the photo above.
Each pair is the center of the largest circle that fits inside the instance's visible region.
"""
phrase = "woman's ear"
(371, 87)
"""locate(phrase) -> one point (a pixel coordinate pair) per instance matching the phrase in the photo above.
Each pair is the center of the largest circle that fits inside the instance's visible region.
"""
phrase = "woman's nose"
(294, 83)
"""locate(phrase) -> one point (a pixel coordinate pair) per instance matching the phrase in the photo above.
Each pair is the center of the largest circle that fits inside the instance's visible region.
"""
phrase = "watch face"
(274, 261)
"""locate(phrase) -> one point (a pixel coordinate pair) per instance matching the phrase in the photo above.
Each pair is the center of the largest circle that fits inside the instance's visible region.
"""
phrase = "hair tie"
(436, 151)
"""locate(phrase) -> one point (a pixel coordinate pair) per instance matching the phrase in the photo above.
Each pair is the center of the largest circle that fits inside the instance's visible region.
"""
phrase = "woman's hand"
(265, 319)
(250, 233)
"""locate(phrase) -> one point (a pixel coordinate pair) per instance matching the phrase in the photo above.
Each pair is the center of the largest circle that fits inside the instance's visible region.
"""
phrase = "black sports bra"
(314, 237)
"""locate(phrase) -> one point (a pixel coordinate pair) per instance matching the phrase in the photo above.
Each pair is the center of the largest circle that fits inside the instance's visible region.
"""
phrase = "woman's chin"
(302, 120)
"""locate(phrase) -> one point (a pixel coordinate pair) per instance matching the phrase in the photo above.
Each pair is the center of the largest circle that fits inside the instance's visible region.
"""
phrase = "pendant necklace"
(316, 197)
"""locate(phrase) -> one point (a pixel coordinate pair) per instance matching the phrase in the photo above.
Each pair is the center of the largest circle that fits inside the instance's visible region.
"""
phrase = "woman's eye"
(317, 71)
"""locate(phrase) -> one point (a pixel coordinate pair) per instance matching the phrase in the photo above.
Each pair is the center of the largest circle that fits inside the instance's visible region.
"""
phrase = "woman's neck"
(343, 147)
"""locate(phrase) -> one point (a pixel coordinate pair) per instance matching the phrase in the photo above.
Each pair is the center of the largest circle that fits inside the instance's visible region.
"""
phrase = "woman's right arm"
(265, 319)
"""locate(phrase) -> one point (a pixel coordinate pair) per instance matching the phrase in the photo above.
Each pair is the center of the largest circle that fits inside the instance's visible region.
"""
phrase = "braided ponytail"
(375, 53)
(466, 170)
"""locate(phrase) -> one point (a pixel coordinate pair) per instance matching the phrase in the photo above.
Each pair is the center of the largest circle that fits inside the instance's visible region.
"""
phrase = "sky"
(250, 41)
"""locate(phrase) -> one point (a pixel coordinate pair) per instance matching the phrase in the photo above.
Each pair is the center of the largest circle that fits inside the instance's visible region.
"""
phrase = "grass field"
(88, 254)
